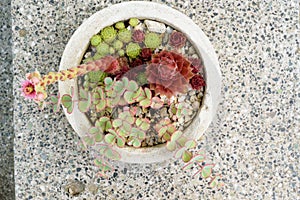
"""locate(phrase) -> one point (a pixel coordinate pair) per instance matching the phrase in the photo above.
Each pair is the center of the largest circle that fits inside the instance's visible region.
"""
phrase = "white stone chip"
(155, 26)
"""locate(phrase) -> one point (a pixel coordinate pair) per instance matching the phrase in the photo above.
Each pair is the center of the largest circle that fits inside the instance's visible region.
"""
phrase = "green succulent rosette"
(125, 35)
(133, 50)
(152, 40)
(108, 34)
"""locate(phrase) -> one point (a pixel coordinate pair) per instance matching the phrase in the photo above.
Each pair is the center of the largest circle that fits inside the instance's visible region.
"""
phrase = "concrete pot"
(79, 42)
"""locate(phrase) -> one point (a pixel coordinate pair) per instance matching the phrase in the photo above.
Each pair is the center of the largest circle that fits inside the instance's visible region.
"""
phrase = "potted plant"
(138, 86)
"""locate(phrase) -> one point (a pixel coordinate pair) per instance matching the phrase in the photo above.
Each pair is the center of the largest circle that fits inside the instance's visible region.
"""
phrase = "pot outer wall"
(79, 42)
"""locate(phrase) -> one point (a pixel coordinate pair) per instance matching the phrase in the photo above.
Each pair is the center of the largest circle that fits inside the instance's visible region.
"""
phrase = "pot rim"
(79, 42)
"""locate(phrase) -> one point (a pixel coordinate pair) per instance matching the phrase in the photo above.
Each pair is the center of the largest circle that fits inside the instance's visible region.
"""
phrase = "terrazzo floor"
(254, 139)
(6, 101)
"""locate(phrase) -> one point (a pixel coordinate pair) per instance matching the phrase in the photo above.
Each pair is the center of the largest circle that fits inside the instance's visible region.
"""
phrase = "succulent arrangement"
(137, 84)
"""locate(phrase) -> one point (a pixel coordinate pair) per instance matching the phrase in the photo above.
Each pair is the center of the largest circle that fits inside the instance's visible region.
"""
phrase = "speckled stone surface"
(6, 108)
(254, 139)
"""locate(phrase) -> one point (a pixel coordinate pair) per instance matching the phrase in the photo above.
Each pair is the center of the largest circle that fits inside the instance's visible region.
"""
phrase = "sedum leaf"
(148, 93)
(93, 130)
(162, 131)
(171, 146)
(125, 81)
(117, 123)
(145, 103)
(176, 135)
(108, 80)
(206, 171)
(109, 138)
(98, 137)
(132, 86)
(190, 144)
(186, 156)
(120, 142)
(128, 96)
(136, 143)
(179, 153)
(67, 102)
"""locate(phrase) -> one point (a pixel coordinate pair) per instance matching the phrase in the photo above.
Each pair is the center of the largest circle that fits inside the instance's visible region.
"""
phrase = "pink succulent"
(138, 36)
(177, 39)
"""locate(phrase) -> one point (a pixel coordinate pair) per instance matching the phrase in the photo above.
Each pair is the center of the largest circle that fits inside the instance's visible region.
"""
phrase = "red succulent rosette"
(138, 36)
(124, 67)
(169, 73)
(146, 54)
(108, 64)
(197, 82)
(177, 39)
(136, 62)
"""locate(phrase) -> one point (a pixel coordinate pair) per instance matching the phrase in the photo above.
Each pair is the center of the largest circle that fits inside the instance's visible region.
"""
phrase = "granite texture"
(6, 108)
(254, 139)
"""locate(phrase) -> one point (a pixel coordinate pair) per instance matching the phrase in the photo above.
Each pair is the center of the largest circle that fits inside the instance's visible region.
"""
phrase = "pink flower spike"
(28, 89)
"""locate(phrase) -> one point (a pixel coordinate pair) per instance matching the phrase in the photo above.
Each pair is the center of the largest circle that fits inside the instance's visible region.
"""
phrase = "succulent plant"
(103, 49)
(124, 67)
(124, 35)
(138, 36)
(134, 22)
(142, 79)
(117, 44)
(121, 52)
(104, 123)
(67, 101)
(165, 128)
(111, 50)
(177, 39)
(96, 76)
(120, 25)
(133, 50)
(96, 40)
(197, 82)
(108, 34)
(146, 54)
(152, 40)
(111, 94)
(169, 73)
(182, 109)
(136, 62)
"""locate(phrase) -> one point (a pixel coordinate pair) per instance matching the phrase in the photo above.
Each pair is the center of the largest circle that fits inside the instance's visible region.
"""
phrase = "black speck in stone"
(78, 169)
(115, 174)
(140, 195)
